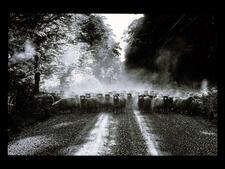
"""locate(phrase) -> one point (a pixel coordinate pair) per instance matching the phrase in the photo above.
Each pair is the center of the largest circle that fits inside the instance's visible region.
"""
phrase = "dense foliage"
(48, 51)
(181, 46)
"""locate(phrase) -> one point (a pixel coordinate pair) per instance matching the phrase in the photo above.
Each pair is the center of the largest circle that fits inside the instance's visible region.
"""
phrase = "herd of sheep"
(120, 102)
(205, 106)
(92, 103)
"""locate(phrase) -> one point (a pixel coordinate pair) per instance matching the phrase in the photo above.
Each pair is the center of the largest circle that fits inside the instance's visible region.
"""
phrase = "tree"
(44, 29)
(102, 45)
(187, 41)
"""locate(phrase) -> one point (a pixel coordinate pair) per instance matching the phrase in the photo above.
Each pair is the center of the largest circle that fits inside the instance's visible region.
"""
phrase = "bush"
(209, 105)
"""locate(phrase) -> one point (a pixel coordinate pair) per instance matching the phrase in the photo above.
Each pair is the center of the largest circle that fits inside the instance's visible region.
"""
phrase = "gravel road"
(130, 133)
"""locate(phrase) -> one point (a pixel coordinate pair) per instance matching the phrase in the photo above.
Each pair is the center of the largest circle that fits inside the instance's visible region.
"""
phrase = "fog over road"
(130, 133)
(112, 84)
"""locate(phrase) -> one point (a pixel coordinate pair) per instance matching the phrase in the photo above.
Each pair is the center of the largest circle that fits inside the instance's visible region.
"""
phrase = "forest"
(39, 49)
(56, 57)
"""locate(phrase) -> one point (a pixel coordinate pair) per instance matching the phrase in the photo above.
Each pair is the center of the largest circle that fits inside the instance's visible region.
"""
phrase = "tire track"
(152, 146)
(97, 141)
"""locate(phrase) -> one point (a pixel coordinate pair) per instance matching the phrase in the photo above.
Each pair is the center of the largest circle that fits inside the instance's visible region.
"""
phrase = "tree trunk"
(36, 74)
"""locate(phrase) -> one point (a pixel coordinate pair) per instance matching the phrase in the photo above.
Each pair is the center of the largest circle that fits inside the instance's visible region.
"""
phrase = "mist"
(26, 54)
(159, 81)
(96, 83)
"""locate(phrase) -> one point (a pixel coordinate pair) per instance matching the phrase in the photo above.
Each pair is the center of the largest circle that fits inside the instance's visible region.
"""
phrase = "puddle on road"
(208, 133)
(149, 138)
(62, 125)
